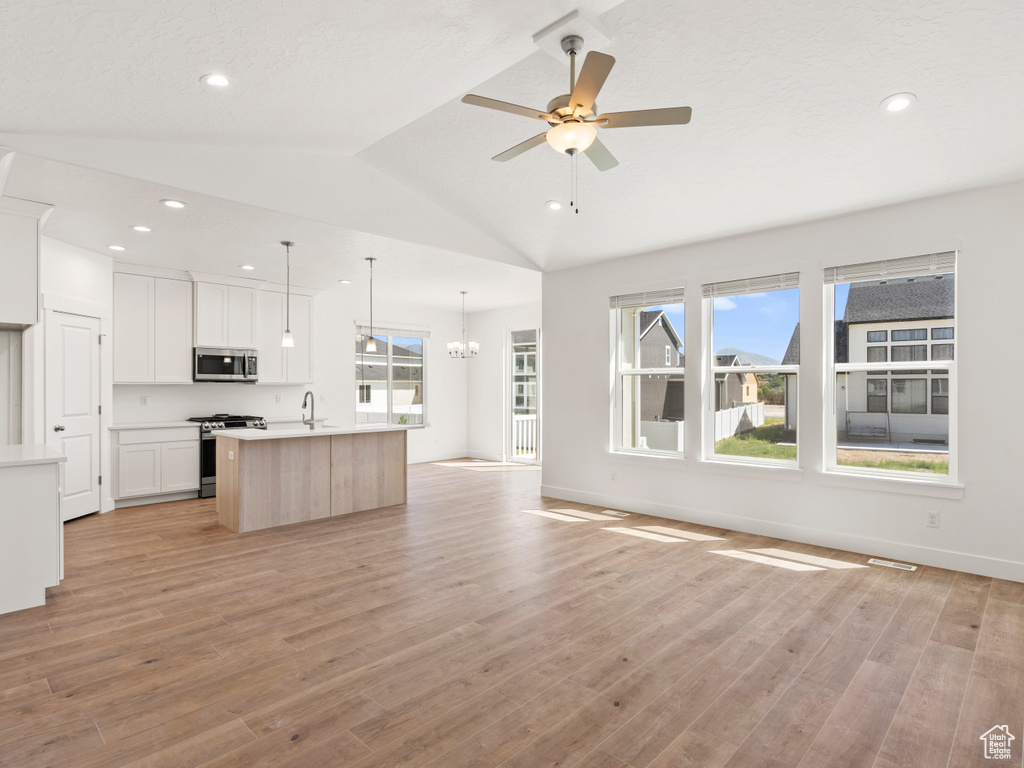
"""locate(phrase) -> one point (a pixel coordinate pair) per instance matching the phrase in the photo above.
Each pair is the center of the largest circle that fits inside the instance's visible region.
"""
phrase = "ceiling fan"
(573, 117)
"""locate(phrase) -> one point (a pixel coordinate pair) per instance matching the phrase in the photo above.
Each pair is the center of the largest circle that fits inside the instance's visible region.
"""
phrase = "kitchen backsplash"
(174, 403)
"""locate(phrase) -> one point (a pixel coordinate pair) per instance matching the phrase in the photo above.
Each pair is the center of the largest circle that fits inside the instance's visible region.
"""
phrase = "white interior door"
(72, 406)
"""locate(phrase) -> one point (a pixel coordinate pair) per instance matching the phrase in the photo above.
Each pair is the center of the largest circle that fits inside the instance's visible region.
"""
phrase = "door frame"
(508, 394)
(34, 379)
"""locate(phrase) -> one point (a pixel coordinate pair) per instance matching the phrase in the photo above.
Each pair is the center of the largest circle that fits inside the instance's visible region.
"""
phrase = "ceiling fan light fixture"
(572, 137)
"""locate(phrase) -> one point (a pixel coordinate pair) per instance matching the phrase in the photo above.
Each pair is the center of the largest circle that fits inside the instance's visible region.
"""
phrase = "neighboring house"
(891, 321)
(661, 397)
(733, 388)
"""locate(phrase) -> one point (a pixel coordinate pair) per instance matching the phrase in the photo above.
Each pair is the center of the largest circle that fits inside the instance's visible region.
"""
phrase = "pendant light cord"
(288, 295)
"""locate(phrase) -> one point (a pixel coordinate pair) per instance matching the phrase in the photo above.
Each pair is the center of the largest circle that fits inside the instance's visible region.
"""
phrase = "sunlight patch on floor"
(681, 534)
(647, 535)
(789, 565)
(812, 559)
(553, 515)
(587, 515)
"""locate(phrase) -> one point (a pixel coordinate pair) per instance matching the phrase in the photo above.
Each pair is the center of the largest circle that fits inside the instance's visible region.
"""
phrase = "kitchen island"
(267, 478)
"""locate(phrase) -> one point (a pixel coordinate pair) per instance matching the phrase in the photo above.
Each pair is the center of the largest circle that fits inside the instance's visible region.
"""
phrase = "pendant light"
(287, 340)
(462, 348)
(371, 345)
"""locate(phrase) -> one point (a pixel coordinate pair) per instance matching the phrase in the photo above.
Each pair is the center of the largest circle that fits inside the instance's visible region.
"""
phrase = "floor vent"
(887, 564)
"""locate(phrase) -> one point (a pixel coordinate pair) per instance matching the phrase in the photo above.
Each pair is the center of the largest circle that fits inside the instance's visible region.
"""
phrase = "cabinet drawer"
(162, 435)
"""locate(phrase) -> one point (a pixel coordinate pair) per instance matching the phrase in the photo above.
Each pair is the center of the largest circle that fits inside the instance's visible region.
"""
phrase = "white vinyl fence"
(732, 421)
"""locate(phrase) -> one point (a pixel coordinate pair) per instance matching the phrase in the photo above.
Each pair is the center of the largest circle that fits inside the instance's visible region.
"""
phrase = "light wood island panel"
(270, 482)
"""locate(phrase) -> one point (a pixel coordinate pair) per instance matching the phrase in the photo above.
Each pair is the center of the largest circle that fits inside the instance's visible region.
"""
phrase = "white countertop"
(154, 425)
(278, 434)
(23, 455)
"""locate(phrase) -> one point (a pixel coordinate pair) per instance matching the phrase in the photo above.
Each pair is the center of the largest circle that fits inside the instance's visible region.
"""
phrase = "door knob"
(58, 428)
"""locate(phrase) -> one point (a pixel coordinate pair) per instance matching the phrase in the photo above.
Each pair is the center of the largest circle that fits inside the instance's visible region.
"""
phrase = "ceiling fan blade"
(521, 147)
(667, 116)
(592, 76)
(600, 156)
(504, 106)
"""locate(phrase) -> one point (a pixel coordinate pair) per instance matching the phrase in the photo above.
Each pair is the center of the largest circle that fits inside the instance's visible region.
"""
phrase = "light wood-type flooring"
(459, 630)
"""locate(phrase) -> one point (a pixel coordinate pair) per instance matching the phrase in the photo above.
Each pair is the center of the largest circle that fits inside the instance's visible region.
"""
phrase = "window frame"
(630, 303)
(710, 383)
(389, 335)
(945, 369)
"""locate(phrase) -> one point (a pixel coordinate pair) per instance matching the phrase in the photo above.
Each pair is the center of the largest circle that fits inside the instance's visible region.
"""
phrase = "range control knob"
(206, 425)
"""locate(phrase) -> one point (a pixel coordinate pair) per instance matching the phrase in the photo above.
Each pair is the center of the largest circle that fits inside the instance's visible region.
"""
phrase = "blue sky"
(761, 323)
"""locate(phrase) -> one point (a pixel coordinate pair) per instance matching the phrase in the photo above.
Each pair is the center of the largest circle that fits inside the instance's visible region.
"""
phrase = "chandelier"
(463, 348)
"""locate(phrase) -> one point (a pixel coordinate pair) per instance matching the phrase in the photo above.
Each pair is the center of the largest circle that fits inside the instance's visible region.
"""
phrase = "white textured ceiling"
(345, 121)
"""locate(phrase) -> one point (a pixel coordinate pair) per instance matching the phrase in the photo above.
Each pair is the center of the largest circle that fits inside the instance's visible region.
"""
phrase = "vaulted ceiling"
(343, 129)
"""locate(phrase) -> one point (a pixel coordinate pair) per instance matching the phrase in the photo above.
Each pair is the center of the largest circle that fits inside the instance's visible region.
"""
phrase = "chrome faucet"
(312, 409)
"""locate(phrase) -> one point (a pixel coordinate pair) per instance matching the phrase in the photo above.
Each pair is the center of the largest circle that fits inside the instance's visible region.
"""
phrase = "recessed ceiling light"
(174, 203)
(216, 79)
(247, 266)
(554, 205)
(345, 282)
(116, 247)
(898, 102)
(140, 228)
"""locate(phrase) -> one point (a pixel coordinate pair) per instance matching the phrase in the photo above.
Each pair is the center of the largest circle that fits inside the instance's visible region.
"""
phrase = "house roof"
(842, 348)
(901, 299)
(649, 319)
(726, 360)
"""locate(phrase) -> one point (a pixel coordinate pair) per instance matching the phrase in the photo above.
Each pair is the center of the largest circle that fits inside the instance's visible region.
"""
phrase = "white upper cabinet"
(152, 330)
(279, 365)
(134, 316)
(225, 315)
(173, 331)
(19, 261)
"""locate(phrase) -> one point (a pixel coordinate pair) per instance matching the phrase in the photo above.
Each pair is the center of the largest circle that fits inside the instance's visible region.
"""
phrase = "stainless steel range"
(208, 445)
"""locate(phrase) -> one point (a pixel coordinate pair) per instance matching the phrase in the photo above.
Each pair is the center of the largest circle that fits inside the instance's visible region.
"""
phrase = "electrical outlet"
(144, 400)
(277, 399)
(231, 455)
(613, 477)
(323, 398)
(932, 520)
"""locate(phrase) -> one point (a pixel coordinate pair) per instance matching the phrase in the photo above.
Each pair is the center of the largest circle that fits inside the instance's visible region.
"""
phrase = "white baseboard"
(486, 456)
(139, 501)
(893, 550)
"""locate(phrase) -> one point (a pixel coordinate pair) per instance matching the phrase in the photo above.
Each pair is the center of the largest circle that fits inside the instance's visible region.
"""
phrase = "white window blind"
(647, 298)
(383, 330)
(928, 264)
(752, 285)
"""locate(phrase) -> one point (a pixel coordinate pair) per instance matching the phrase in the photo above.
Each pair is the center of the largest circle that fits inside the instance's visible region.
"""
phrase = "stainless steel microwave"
(210, 364)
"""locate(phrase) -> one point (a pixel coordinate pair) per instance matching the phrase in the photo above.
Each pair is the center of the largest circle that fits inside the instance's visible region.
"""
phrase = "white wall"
(336, 312)
(982, 526)
(488, 388)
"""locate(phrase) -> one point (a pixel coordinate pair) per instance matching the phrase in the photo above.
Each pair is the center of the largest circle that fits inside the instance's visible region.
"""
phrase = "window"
(896, 423)
(753, 339)
(940, 395)
(908, 334)
(908, 353)
(878, 398)
(649, 379)
(389, 380)
(908, 396)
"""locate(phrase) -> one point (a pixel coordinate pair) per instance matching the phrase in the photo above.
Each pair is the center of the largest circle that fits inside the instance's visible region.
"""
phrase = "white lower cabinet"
(157, 461)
